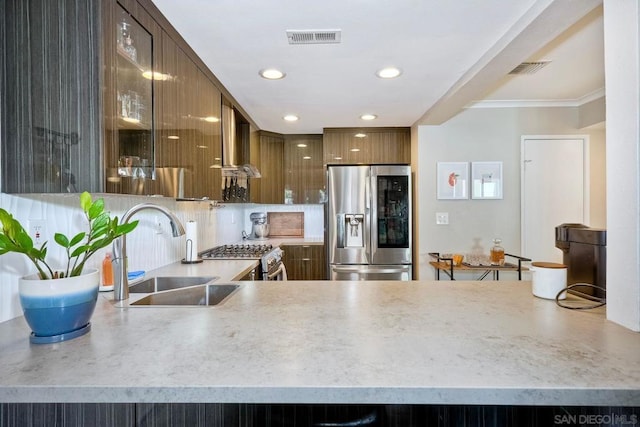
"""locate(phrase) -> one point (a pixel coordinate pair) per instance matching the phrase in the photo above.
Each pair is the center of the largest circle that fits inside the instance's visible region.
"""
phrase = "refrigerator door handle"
(340, 226)
(367, 194)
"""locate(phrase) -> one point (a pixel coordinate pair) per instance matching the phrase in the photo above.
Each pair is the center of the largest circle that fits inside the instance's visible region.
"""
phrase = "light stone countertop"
(333, 342)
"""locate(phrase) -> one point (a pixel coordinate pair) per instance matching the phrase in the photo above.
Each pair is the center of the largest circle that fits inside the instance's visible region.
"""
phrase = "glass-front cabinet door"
(130, 159)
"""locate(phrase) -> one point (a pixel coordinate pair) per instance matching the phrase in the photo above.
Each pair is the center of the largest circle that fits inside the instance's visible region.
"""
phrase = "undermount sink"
(204, 295)
(157, 284)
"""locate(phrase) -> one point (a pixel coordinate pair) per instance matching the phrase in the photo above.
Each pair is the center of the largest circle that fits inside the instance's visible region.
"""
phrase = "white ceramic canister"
(547, 279)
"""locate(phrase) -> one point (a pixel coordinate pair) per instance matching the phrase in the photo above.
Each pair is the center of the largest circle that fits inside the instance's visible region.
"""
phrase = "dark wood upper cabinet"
(50, 120)
(304, 180)
(175, 148)
(270, 158)
(367, 145)
(128, 104)
(128, 107)
(188, 137)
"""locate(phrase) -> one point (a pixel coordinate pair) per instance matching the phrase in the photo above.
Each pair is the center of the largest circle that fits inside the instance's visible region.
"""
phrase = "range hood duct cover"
(229, 146)
(231, 149)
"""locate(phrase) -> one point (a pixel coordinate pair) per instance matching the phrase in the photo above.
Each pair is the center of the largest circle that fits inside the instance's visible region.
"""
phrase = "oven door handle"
(280, 270)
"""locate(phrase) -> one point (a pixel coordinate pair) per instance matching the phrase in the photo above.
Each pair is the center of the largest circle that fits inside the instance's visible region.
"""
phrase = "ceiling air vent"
(529, 67)
(314, 36)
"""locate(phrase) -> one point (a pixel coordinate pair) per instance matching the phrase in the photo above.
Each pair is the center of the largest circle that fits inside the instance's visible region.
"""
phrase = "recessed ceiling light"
(291, 117)
(272, 74)
(204, 147)
(337, 158)
(360, 135)
(211, 119)
(355, 149)
(368, 117)
(306, 158)
(173, 137)
(388, 73)
(302, 145)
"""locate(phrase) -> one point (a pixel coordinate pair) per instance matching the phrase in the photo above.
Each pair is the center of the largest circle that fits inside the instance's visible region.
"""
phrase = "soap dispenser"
(107, 271)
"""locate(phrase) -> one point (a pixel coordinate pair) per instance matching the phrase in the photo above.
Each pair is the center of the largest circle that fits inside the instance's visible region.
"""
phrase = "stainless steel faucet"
(121, 285)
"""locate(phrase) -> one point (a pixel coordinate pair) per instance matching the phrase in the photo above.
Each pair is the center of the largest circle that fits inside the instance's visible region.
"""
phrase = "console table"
(446, 265)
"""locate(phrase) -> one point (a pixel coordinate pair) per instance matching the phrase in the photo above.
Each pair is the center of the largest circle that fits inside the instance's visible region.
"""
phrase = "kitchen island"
(422, 342)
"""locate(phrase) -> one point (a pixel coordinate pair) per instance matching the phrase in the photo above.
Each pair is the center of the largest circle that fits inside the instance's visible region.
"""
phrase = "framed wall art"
(452, 180)
(486, 180)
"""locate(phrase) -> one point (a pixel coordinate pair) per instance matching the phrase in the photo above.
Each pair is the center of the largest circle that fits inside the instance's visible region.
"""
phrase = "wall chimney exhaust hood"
(232, 149)
(235, 173)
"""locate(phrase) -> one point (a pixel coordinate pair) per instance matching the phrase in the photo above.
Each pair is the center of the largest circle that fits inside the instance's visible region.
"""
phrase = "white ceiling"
(452, 53)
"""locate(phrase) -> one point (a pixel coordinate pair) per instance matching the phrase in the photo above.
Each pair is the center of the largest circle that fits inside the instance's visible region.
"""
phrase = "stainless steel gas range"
(271, 265)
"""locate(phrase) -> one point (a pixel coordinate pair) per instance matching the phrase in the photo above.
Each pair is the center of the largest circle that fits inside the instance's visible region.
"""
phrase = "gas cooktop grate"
(239, 251)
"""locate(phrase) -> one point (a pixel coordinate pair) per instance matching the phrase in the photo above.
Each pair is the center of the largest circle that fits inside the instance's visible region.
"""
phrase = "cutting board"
(286, 224)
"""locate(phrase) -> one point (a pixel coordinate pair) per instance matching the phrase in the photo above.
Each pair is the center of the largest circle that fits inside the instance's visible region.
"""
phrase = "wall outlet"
(157, 224)
(442, 218)
(37, 231)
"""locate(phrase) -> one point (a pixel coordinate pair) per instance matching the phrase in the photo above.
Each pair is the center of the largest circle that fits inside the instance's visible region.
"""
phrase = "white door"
(554, 192)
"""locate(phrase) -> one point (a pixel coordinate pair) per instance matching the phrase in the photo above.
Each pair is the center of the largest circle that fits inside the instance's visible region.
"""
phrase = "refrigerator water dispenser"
(355, 233)
(350, 230)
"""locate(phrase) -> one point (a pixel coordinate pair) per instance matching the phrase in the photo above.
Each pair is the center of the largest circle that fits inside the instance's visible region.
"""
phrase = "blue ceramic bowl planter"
(59, 309)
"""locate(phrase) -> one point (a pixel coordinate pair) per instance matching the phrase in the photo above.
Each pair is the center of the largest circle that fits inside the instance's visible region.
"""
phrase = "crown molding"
(524, 103)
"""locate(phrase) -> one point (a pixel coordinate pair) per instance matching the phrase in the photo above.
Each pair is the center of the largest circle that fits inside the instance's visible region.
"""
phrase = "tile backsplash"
(149, 246)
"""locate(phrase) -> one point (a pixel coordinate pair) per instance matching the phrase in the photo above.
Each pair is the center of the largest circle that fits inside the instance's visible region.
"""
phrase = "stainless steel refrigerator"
(368, 222)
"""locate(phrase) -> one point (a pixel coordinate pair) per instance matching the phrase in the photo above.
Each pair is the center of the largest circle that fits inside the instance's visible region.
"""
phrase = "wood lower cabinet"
(367, 145)
(305, 262)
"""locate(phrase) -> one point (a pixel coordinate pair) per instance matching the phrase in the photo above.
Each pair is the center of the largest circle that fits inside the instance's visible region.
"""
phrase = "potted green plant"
(58, 302)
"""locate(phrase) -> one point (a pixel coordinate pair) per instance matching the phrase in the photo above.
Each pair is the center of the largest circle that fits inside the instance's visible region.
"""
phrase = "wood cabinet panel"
(188, 129)
(271, 158)
(305, 262)
(379, 145)
(45, 151)
(304, 179)
(68, 414)
(186, 137)
(129, 54)
(50, 119)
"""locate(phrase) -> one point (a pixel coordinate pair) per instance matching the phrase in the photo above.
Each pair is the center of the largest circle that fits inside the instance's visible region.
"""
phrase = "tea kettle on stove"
(259, 227)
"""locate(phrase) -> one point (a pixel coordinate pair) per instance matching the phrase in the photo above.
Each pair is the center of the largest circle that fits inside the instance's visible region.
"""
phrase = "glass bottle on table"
(497, 253)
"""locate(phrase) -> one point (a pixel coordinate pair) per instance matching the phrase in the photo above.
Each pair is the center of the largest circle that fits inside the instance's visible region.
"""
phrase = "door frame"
(586, 172)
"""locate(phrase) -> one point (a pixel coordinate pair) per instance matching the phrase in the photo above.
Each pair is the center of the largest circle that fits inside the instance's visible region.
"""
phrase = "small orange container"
(457, 259)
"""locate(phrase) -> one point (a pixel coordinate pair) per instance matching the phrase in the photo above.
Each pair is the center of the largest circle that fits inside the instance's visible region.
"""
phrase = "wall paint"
(491, 134)
(622, 59)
